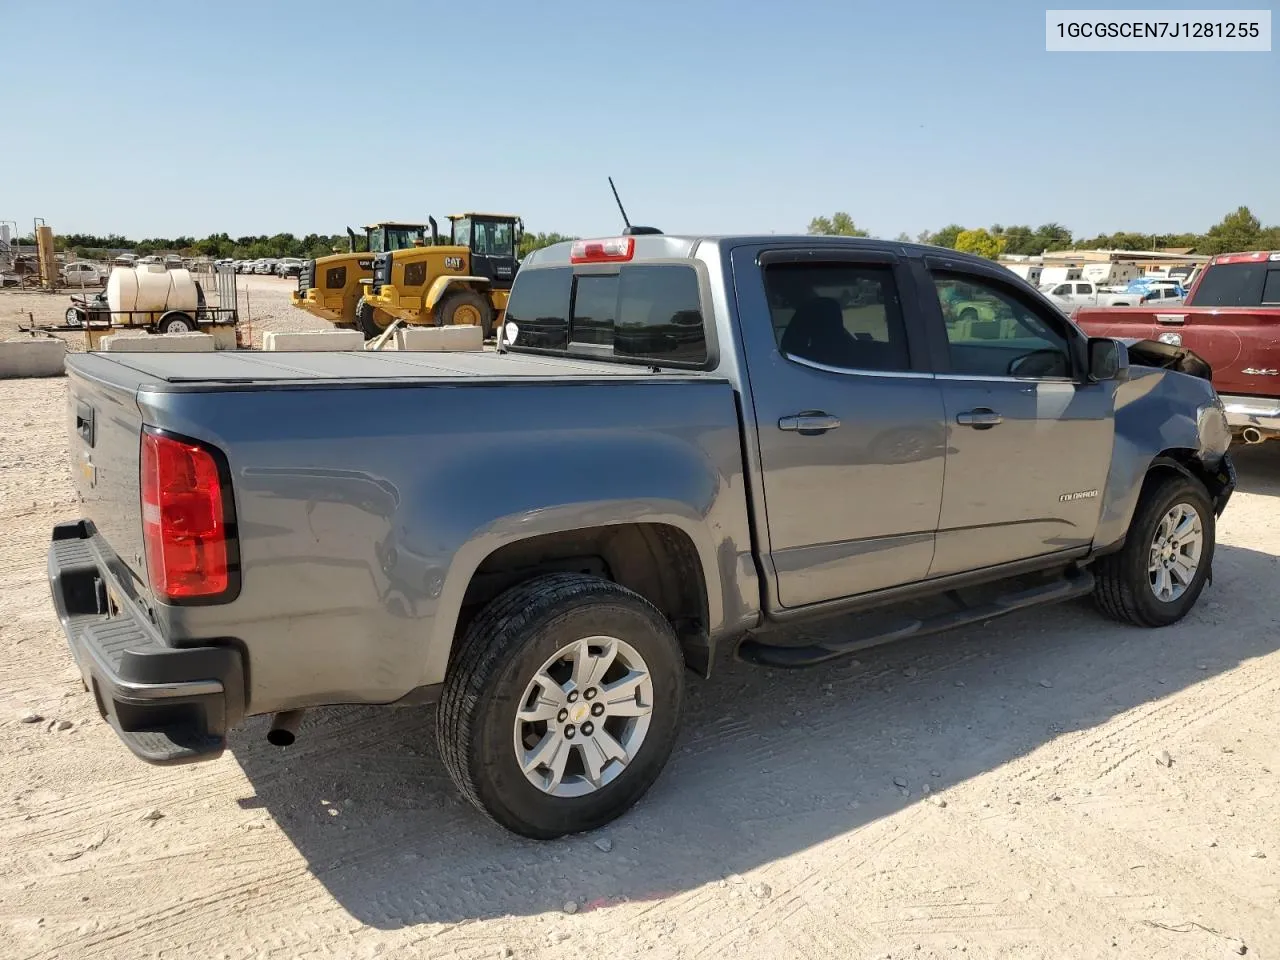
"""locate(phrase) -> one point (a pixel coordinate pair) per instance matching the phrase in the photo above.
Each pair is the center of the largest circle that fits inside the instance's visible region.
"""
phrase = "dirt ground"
(1050, 785)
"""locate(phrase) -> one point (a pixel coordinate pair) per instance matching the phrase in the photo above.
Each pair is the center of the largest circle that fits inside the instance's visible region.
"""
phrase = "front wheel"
(561, 705)
(364, 320)
(466, 308)
(1157, 577)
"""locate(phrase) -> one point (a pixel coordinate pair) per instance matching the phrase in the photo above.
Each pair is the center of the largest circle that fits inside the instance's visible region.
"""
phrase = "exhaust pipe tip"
(1251, 435)
(284, 728)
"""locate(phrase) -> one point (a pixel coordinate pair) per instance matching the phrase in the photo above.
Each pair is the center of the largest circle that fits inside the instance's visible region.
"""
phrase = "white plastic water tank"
(150, 289)
(153, 287)
(122, 290)
(182, 292)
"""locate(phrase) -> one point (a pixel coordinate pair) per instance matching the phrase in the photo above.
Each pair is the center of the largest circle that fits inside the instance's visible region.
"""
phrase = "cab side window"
(991, 333)
(843, 315)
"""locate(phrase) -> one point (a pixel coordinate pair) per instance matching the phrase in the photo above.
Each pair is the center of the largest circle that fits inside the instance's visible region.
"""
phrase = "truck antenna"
(618, 201)
(630, 230)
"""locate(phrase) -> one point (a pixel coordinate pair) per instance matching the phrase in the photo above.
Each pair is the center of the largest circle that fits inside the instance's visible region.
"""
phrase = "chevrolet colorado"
(681, 444)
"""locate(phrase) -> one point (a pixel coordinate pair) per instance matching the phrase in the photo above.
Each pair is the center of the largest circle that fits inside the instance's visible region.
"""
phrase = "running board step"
(770, 655)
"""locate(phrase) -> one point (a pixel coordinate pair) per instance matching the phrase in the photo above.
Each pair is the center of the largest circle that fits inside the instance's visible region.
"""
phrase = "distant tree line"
(220, 245)
(1238, 231)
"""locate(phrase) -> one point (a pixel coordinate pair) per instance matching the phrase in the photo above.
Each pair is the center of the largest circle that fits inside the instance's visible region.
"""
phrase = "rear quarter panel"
(364, 512)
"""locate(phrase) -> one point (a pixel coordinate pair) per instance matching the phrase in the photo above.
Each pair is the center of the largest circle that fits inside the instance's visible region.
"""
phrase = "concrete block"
(328, 340)
(157, 343)
(438, 339)
(32, 357)
(224, 337)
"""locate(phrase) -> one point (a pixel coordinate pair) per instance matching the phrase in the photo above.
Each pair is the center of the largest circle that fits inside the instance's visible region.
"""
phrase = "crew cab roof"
(676, 246)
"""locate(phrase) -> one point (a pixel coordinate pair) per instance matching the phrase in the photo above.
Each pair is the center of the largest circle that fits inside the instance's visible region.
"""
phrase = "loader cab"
(493, 240)
(385, 237)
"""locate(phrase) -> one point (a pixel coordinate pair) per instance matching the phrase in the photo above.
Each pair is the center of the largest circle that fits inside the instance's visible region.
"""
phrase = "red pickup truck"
(1231, 319)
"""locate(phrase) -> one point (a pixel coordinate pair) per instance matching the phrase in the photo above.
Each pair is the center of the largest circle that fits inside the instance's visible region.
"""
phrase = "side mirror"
(1108, 359)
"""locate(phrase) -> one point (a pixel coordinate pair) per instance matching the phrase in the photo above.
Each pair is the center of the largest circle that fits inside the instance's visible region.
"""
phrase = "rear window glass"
(539, 308)
(1271, 289)
(642, 312)
(1231, 285)
(595, 301)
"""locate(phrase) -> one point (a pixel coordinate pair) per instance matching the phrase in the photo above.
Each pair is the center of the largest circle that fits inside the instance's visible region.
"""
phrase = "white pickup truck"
(1071, 295)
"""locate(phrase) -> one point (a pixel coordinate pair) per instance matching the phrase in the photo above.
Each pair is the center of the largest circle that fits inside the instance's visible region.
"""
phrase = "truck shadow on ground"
(768, 764)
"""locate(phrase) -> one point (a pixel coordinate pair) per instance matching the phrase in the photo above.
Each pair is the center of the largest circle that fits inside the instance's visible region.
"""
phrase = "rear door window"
(842, 315)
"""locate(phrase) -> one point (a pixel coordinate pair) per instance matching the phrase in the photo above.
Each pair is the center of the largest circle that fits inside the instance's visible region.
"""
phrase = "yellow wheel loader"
(332, 288)
(465, 281)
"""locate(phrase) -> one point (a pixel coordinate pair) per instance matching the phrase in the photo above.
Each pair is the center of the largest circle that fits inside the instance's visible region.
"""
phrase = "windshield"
(494, 238)
(461, 234)
(400, 238)
(382, 239)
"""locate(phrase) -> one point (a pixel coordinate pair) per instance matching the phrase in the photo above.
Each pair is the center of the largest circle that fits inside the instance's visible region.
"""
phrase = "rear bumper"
(167, 704)
(1262, 413)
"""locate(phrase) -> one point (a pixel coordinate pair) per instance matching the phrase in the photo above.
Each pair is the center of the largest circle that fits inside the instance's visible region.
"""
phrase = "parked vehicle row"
(1073, 294)
(710, 437)
(269, 266)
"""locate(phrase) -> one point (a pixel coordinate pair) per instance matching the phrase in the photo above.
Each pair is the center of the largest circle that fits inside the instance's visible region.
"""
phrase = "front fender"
(1157, 414)
(441, 285)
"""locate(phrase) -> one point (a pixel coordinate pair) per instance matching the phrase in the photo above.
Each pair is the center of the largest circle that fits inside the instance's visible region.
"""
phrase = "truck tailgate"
(1241, 344)
(104, 425)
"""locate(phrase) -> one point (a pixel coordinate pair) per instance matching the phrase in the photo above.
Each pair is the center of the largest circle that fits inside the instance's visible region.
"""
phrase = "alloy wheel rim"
(1176, 550)
(583, 717)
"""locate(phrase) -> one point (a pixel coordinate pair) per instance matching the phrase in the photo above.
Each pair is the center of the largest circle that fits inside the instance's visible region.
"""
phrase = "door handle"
(809, 423)
(982, 418)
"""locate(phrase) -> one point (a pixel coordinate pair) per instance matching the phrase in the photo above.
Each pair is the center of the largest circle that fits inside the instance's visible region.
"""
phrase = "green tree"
(946, 237)
(1052, 236)
(536, 241)
(903, 237)
(1239, 231)
(839, 224)
(981, 242)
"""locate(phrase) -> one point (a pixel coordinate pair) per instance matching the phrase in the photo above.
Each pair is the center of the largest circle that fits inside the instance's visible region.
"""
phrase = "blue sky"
(159, 120)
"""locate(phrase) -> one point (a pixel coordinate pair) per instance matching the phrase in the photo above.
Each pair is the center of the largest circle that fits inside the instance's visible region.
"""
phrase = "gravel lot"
(1051, 785)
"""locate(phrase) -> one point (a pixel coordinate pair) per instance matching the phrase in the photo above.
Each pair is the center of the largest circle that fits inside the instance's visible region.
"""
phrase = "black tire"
(451, 304)
(175, 323)
(364, 319)
(495, 661)
(1123, 590)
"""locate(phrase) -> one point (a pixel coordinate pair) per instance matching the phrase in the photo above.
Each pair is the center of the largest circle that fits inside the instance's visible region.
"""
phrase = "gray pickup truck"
(680, 444)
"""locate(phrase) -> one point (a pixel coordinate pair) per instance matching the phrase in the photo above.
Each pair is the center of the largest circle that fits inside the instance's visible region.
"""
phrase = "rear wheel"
(466, 308)
(1157, 577)
(365, 322)
(561, 705)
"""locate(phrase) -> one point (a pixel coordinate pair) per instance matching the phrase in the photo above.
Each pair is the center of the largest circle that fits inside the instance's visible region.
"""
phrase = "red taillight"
(182, 519)
(613, 250)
